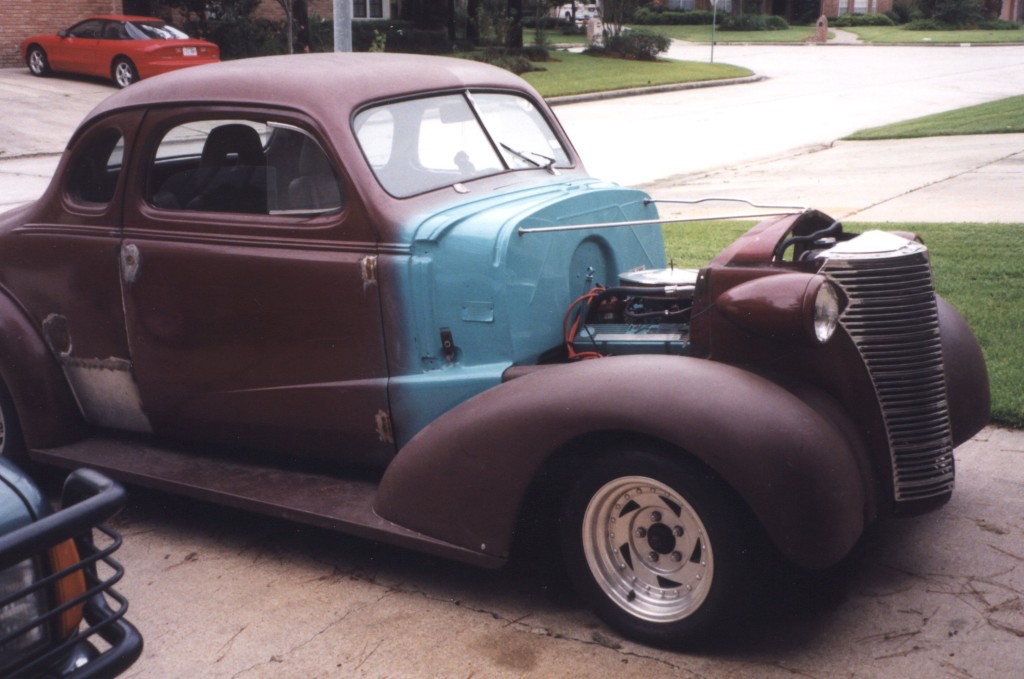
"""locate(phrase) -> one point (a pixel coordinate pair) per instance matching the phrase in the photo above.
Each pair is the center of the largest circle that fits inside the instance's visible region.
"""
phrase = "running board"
(313, 498)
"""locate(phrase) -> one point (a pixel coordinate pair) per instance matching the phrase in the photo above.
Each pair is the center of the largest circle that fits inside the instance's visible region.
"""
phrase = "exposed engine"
(647, 312)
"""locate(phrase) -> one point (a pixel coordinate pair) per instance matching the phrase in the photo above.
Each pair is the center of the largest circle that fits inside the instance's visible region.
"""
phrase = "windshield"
(423, 144)
(152, 30)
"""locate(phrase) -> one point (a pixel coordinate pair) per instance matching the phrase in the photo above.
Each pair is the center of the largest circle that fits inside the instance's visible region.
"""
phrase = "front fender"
(462, 478)
(967, 387)
(47, 411)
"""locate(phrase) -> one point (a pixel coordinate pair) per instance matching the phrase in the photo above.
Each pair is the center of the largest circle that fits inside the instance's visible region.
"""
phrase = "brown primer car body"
(392, 366)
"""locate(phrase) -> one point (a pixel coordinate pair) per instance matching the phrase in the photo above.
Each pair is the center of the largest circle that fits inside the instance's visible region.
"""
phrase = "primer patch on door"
(106, 392)
(103, 387)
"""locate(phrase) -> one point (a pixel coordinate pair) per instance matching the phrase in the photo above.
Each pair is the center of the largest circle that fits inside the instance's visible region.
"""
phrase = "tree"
(287, 6)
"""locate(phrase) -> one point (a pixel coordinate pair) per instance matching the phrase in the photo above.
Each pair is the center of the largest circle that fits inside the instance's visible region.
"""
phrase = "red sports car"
(123, 48)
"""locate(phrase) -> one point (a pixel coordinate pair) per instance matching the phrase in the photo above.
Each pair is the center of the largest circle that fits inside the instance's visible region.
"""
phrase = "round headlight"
(826, 312)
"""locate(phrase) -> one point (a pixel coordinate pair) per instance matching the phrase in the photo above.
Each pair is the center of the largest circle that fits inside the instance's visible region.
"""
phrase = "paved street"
(218, 593)
(812, 96)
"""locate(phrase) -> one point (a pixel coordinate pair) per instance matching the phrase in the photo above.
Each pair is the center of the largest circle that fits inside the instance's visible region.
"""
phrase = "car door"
(251, 303)
(76, 51)
(63, 269)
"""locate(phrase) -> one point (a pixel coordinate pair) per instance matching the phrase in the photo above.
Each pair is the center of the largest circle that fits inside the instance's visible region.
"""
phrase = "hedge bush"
(862, 20)
(999, 25)
(752, 22)
(641, 45)
(654, 17)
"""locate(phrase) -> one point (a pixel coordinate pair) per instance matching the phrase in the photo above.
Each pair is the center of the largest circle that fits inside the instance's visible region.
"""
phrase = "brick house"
(22, 18)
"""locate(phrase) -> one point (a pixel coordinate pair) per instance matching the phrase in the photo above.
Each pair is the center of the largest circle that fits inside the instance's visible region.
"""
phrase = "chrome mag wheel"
(647, 549)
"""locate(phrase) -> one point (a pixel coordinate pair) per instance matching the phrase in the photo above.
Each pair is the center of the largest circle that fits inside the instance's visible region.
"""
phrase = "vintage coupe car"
(380, 294)
(56, 584)
(122, 48)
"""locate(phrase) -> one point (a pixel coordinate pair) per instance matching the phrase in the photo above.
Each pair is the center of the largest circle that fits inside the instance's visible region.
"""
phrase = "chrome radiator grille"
(893, 320)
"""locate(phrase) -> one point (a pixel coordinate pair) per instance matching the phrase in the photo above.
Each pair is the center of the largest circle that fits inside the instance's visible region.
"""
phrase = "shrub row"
(655, 17)
(937, 25)
(724, 20)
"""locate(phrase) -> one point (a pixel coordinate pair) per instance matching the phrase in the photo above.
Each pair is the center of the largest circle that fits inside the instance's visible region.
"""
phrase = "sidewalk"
(936, 179)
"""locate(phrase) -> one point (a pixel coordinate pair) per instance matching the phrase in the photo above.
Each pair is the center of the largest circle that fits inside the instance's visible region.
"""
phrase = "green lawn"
(794, 34)
(578, 74)
(996, 117)
(977, 268)
(555, 38)
(898, 34)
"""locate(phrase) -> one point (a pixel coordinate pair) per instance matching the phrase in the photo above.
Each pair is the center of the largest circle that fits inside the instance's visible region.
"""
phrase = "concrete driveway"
(217, 593)
(222, 594)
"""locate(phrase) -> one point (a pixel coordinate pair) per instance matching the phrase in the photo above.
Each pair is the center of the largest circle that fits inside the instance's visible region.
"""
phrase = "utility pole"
(342, 25)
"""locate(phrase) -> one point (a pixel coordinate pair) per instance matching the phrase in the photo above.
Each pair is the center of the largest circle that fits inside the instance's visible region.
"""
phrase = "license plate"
(189, 51)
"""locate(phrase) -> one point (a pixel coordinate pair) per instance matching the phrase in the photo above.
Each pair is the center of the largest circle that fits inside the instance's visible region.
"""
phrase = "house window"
(363, 9)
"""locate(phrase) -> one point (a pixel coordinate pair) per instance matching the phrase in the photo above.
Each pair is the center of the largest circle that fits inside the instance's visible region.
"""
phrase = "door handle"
(130, 261)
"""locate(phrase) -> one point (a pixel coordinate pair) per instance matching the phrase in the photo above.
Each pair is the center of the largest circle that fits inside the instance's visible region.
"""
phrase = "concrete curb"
(654, 89)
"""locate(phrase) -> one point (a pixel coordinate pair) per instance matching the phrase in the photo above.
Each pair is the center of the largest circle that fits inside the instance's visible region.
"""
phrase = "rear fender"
(462, 478)
(47, 411)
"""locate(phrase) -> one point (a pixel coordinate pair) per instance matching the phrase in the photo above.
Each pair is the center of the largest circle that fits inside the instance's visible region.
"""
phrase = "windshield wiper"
(549, 165)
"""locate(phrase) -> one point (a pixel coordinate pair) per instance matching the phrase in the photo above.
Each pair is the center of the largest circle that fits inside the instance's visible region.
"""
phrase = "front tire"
(38, 64)
(124, 72)
(657, 545)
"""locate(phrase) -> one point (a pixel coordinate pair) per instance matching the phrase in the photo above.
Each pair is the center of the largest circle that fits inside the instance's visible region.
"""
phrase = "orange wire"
(569, 332)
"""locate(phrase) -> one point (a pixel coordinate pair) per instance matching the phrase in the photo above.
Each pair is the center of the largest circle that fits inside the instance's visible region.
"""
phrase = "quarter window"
(95, 171)
(243, 166)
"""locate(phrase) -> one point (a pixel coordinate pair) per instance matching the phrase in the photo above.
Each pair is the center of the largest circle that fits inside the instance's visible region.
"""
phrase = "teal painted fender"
(47, 411)
(462, 478)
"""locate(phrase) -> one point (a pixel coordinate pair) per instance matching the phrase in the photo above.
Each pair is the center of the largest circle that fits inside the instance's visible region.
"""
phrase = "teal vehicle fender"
(48, 414)
(463, 478)
(21, 501)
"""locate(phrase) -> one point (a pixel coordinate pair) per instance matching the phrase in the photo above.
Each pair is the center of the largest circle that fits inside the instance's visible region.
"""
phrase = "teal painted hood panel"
(501, 296)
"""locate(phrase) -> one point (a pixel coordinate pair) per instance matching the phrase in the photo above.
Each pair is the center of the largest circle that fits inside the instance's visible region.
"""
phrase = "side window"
(87, 29)
(94, 172)
(242, 166)
(114, 30)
